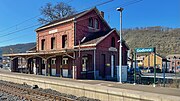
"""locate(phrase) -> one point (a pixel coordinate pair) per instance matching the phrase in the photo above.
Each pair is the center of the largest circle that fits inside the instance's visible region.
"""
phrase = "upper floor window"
(64, 41)
(42, 44)
(90, 22)
(53, 43)
(112, 42)
(96, 25)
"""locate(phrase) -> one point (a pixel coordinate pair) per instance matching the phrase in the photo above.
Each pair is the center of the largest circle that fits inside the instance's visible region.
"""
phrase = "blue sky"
(141, 14)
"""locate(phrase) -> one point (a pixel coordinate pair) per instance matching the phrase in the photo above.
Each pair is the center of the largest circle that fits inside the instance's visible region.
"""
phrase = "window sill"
(53, 49)
(93, 28)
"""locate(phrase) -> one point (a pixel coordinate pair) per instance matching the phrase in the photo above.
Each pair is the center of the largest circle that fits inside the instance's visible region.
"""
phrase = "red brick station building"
(81, 46)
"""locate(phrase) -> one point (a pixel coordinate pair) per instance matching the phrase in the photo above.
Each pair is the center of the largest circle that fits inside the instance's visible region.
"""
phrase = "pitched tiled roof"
(62, 19)
(70, 18)
(94, 37)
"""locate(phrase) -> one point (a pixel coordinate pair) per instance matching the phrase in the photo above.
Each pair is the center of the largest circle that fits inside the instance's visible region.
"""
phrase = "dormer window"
(112, 42)
(96, 24)
(90, 22)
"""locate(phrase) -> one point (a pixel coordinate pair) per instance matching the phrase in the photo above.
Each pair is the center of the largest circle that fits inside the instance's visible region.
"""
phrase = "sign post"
(146, 50)
(135, 70)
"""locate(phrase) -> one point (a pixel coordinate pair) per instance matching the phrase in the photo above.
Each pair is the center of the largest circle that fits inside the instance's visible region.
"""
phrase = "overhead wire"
(40, 24)
(122, 5)
(14, 38)
(97, 4)
(20, 23)
(125, 4)
(29, 19)
(68, 1)
(20, 30)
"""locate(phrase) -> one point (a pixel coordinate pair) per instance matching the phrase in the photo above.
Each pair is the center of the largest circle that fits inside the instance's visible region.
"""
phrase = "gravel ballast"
(8, 97)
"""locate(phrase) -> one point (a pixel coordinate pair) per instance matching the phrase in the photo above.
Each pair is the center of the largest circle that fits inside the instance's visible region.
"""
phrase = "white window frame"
(65, 61)
(112, 65)
(53, 61)
(84, 63)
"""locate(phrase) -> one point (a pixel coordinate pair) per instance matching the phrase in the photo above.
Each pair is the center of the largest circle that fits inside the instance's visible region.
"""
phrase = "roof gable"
(123, 41)
(71, 18)
(97, 37)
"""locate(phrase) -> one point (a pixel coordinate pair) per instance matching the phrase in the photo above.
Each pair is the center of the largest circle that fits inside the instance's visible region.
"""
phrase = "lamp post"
(120, 46)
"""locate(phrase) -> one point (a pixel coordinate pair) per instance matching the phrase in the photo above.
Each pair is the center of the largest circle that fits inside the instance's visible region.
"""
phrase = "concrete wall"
(93, 91)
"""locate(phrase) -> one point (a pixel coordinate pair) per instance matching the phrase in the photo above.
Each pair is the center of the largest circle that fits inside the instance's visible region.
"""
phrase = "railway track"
(28, 94)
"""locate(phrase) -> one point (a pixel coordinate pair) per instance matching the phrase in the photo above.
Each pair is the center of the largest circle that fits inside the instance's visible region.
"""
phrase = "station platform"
(137, 92)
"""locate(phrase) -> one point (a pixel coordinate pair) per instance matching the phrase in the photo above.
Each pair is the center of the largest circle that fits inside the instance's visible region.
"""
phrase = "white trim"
(94, 64)
(112, 66)
(104, 37)
(36, 53)
(53, 31)
(53, 61)
(64, 61)
(85, 49)
(85, 45)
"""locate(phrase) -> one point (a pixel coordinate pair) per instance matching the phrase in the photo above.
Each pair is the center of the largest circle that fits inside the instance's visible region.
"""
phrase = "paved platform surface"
(144, 88)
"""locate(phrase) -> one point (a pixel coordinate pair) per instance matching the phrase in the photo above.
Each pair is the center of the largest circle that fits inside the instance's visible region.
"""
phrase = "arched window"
(96, 24)
(90, 22)
(112, 42)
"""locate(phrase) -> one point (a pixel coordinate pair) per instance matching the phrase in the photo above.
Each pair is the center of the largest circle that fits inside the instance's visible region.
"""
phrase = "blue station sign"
(144, 50)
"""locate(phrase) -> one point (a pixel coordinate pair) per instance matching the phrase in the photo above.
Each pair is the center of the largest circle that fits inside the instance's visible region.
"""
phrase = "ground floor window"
(53, 61)
(84, 63)
(65, 61)
(112, 65)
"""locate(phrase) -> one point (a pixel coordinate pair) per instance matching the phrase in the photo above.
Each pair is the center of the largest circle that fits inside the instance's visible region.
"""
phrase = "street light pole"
(120, 46)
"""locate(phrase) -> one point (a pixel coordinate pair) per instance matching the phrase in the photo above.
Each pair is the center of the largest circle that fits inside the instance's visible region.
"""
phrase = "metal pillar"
(46, 66)
(94, 64)
(135, 69)
(11, 65)
(164, 74)
(26, 65)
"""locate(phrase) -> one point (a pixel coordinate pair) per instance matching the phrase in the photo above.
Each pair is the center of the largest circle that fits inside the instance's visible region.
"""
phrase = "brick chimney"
(102, 14)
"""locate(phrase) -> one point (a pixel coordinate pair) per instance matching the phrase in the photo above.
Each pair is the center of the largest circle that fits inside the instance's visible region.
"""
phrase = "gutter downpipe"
(74, 67)
(94, 64)
(75, 31)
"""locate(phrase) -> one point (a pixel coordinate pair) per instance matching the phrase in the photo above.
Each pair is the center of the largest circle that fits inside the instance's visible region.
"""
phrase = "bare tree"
(53, 12)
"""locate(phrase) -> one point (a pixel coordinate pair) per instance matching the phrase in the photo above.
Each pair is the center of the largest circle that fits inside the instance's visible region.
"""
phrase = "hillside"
(18, 48)
(166, 40)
